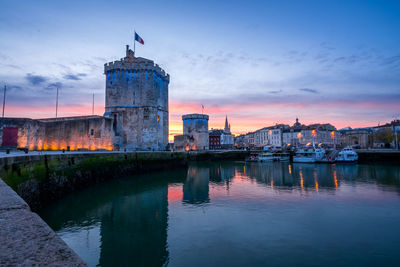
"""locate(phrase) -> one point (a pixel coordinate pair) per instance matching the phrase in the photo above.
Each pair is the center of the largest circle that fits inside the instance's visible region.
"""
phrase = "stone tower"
(196, 127)
(137, 101)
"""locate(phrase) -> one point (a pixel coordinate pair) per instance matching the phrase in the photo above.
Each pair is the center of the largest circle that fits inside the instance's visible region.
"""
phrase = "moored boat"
(309, 155)
(347, 155)
(252, 158)
(281, 156)
(265, 157)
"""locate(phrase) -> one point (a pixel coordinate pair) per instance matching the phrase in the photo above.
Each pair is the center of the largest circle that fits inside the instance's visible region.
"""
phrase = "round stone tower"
(137, 101)
(196, 127)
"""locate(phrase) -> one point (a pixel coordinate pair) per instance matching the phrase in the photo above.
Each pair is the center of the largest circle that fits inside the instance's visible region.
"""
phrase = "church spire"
(227, 126)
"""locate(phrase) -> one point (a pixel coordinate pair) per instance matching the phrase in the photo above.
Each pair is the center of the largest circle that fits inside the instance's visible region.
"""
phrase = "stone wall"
(85, 132)
(182, 142)
(26, 240)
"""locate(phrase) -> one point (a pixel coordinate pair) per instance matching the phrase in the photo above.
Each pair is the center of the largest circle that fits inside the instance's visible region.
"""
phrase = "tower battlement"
(131, 63)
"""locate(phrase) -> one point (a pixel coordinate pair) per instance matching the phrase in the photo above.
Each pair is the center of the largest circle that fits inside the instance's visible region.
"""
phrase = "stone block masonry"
(26, 240)
(84, 132)
(195, 133)
(137, 101)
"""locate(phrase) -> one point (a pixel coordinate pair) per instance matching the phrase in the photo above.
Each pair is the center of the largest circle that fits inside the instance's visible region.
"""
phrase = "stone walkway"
(25, 239)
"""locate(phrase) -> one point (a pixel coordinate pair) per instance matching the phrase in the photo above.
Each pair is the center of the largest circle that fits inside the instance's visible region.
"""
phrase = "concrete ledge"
(9, 200)
(26, 239)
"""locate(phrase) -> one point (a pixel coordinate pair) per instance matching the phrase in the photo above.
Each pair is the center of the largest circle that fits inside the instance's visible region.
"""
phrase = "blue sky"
(259, 62)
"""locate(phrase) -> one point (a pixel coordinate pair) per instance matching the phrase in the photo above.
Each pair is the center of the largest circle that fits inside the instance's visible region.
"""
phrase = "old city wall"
(87, 132)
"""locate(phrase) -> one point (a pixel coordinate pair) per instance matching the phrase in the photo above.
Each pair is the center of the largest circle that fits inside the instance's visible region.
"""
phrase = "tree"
(385, 135)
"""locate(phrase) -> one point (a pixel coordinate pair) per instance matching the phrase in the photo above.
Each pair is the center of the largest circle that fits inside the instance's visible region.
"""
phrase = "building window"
(91, 132)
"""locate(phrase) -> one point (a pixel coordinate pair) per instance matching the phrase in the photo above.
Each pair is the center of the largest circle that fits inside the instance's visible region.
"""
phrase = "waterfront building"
(251, 139)
(257, 138)
(221, 138)
(241, 141)
(291, 137)
(320, 134)
(275, 136)
(261, 137)
(195, 133)
(136, 115)
(359, 138)
(215, 139)
(137, 102)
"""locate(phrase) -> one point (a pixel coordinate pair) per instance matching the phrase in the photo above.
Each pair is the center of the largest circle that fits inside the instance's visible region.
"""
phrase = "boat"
(281, 156)
(309, 155)
(265, 157)
(347, 155)
(252, 158)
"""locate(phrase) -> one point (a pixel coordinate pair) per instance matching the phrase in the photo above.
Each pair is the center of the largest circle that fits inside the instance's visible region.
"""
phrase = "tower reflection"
(196, 186)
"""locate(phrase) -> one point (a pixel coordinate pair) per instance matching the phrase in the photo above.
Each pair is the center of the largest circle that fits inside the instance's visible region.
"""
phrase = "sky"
(257, 62)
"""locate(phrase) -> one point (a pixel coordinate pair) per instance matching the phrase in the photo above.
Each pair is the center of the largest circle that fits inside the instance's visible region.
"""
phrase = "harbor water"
(237, 214)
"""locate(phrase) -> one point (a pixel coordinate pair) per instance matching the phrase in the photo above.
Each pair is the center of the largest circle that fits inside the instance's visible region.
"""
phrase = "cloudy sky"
(259, 62)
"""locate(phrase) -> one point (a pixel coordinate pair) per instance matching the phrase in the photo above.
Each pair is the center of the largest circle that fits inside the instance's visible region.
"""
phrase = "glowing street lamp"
(333, 139)
(313, 133)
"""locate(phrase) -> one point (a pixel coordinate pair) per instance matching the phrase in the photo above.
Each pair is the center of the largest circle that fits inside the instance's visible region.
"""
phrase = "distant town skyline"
(260, 63)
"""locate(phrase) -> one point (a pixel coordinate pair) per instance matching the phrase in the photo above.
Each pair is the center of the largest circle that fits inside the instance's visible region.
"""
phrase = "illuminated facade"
(69, 133)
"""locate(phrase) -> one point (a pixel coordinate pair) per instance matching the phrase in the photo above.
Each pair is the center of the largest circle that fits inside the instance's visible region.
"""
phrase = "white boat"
(309, 155)
(347, 155)
(264, 157)
(281, 156)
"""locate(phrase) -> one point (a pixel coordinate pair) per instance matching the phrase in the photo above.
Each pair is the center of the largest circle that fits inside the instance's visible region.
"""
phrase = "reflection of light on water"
(335, 178)
(301, 179)
(272, 184)
(244, 170)
(315, 179)
(175, 193)
(290, 169)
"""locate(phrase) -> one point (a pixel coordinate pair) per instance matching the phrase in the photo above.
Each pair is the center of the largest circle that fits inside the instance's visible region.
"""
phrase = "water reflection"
(133, 219)
(195, 188)
(128, 221)
(289, 176)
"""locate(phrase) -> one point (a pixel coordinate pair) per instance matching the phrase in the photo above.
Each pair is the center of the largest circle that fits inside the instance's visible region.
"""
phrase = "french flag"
(139, 39)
